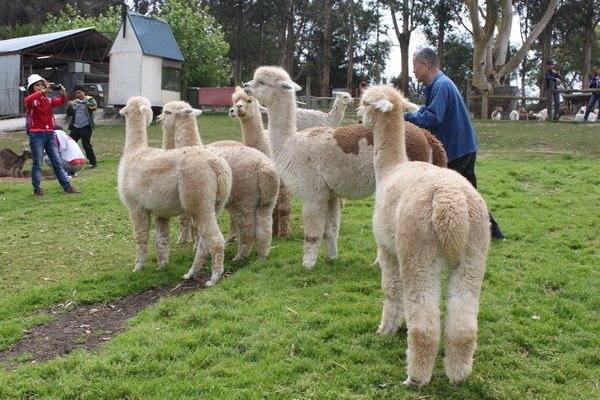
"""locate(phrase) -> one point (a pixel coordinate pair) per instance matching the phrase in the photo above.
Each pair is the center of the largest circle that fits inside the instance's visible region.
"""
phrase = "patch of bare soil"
(87, 326)
(47, 175)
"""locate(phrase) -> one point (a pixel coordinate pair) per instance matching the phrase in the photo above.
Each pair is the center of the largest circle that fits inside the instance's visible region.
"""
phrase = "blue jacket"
(446, 116)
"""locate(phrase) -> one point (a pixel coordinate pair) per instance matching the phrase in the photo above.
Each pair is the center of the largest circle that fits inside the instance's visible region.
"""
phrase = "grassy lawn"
(276, 330)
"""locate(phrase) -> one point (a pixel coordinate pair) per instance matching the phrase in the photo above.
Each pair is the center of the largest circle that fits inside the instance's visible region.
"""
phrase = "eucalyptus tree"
(407, 16)
(491, 65)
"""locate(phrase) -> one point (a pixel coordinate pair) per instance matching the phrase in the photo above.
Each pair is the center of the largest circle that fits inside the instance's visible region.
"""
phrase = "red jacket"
(38, 108)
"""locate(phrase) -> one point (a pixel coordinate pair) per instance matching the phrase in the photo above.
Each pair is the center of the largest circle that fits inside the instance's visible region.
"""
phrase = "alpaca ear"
(197, 111)
(262, 109)
(123, 111)
(383, 105)
(185, 111)
(289, 86)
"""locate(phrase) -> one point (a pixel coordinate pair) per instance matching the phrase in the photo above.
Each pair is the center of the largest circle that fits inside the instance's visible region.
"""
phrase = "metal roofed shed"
(145, 60)
(73, 57)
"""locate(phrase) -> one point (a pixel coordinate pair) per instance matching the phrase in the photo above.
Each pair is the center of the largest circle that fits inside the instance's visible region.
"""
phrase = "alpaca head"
(269, 83)
(343, 98)
(244, 105)
(380, 100)
(138, 108)
(175, 112)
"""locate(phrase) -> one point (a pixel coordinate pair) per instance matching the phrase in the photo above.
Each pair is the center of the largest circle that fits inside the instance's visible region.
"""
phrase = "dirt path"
(87, 326)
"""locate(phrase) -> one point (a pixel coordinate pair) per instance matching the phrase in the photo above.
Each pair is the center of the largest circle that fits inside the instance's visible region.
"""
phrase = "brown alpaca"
(425, 218)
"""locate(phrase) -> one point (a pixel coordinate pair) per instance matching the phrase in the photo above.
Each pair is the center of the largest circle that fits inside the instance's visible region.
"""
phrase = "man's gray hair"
(426, 54)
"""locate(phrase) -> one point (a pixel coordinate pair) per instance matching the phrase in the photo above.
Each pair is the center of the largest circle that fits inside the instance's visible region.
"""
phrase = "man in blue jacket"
(446, 116)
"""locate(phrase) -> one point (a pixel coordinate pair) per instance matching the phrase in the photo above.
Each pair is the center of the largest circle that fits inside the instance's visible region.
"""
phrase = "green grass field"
(276, 330)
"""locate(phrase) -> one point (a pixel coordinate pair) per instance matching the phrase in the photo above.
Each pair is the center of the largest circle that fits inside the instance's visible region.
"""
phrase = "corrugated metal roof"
(22, 43)
(155, 36)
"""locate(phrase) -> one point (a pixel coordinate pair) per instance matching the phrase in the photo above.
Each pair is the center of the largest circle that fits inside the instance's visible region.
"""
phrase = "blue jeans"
(590, 105)
(40, 142)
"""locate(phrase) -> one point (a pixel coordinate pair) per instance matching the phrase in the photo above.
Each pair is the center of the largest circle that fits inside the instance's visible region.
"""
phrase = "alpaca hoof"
(411, 383)
(188, 276)
(309, 264)
(386, 330)
(137, 268)
(237, 258)
(210, 283)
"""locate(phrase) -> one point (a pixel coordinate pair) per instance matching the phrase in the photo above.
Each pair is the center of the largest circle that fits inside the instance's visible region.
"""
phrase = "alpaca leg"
(184, 228)
(421, 280)
(234, 230)
(247, 231)
(264, 233)
(163, 226)
(210, 241)
(141, 224)
(313, 218)
(284, 211)
(464, 288)
(392, 315)
(332, 227)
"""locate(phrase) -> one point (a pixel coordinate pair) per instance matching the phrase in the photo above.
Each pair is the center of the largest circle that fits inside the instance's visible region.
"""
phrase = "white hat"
(33, 79)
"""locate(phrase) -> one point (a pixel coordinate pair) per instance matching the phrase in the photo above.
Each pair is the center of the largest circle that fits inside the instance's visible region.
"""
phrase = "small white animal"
(514, 115)
(497, 113)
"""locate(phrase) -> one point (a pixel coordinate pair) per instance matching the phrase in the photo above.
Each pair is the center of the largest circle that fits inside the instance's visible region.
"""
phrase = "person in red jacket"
(40, 129)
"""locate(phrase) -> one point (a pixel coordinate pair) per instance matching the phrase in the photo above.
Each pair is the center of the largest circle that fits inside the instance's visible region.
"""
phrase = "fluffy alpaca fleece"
(514, 115)
(497, 113)
(321, 165)
(247, 110)
(166, 183)
(311, 118)
(425, 218)
(255, 182)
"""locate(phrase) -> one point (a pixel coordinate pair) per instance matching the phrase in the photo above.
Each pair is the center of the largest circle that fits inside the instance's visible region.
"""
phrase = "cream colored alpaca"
(425, 218)
(311, 118)
(254, 186)
(166, 183)
(320, 165)
(497, 113)
(246, 109)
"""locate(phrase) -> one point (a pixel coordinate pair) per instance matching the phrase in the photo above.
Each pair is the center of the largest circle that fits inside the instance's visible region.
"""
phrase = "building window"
(171, 79)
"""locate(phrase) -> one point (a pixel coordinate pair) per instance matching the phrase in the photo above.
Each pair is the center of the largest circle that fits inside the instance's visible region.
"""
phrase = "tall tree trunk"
(289, 43)
(325, 66)
(403, 40)
(546, 44)
(350, 74)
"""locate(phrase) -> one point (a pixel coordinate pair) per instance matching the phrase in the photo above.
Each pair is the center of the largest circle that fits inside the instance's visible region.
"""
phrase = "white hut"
(145, 60)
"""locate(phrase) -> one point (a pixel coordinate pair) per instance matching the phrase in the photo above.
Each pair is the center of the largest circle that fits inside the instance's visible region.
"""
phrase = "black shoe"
(91, 166)
(497, 234)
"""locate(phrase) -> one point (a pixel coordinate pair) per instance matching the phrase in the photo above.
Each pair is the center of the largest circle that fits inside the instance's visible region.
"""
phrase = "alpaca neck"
(389, 143)
(136, 137)
(188, 134)
(253, 134)
(282, 120)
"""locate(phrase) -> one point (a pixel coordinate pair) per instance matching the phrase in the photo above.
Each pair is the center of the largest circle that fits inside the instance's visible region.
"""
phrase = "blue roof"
(155, 36)
(22, 43)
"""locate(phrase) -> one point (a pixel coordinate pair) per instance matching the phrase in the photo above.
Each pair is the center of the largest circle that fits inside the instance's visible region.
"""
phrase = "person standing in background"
(81, 109)
(446, 116)
(594, 84)
(553, 79)
(40, 129)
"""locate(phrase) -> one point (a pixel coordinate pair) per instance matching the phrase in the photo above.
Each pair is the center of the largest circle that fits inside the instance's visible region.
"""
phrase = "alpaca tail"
(223, 175)
(450, 219)
(439, 156)
(268, 184)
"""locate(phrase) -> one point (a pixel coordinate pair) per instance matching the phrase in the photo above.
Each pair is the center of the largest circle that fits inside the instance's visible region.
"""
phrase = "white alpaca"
(580, 114)
(248, 111)
(542, 115)
(497, 113)
(311, 118)
(321, 165)
(514, 115)
(425, 218)
(255, 181)
(166, 183)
